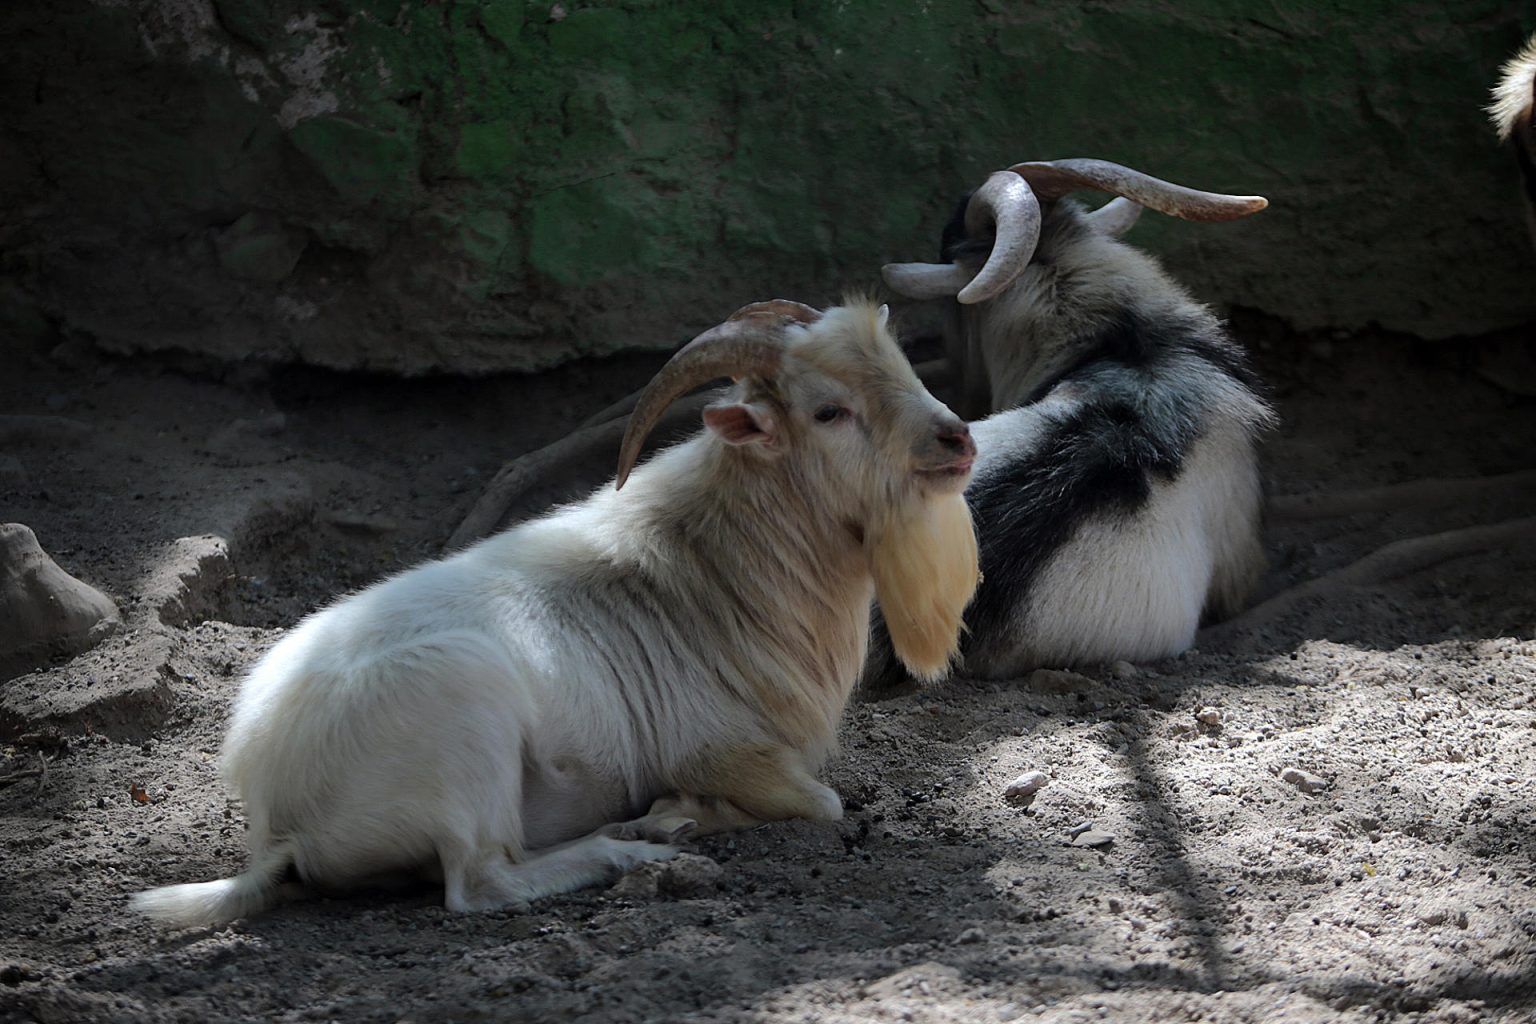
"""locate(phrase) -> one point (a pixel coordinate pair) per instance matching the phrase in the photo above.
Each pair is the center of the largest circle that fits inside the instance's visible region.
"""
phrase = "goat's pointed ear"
(741, 423)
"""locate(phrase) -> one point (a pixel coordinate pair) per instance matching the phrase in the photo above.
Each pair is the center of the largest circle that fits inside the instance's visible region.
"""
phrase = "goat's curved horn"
(926, 280)
(1052, 179)
(1006, 204)
(1116, 217)
(751, 341)
(789, 309)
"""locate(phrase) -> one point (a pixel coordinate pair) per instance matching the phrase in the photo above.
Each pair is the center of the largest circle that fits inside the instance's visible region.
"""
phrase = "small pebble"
(1022, 790)
(690, 876)
(686, 876)
(1093, 837)
(1208, 716)
(970, 936)
(1304, 781)
(1123, 670)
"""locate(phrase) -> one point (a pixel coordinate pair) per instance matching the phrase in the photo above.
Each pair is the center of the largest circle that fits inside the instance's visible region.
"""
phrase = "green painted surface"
(488, 151)
(259, 248)
(361, 164)
(488, 184)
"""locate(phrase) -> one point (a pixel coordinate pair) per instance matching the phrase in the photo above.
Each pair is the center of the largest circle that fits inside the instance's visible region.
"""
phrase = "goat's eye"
(830, 413)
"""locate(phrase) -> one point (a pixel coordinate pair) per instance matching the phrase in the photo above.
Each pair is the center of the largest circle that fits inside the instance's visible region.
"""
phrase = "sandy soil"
(217, 511)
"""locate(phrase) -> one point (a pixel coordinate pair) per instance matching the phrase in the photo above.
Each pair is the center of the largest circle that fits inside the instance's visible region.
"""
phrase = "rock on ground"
(44, 611)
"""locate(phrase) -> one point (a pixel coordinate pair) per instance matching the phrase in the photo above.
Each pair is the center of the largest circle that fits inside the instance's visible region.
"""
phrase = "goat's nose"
(956, 436)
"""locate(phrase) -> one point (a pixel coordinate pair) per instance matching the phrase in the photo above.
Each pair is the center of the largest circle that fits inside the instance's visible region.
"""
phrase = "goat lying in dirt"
(1117, 499)
(685, 644)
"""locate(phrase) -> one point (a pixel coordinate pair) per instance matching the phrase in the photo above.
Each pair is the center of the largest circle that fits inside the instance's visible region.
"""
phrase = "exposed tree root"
(26, 773)
(1418, 494)
(39, 773)
(1385, 563)
(622, 408)
(576, 461)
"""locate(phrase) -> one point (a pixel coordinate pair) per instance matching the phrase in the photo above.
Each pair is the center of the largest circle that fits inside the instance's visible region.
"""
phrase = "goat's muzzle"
(951, 457)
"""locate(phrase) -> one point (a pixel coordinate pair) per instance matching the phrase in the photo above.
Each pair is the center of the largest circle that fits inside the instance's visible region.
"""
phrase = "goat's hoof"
(672, 829)
(668, 828)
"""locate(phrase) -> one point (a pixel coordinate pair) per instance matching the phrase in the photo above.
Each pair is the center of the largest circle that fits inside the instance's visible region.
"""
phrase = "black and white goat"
(1117, 496)
(1514, 116)
(506, 716)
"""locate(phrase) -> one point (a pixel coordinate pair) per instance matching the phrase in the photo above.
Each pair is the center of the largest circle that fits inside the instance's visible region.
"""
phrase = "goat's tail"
(257, 888)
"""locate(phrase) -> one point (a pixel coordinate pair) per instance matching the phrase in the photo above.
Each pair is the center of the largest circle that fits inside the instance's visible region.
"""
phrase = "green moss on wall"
(484, 184)
(362, 164)
(589, 230)
(488, 150)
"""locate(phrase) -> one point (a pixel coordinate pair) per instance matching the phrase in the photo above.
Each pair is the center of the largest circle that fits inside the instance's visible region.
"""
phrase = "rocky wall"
(482, 185)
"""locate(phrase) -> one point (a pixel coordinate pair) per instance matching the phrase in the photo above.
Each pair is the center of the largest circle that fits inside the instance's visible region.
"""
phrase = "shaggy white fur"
(502, 716)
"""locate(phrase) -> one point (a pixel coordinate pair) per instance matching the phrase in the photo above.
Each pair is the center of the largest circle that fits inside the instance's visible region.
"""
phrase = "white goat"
(685, 645)
(1514, 116)
(1117, 499)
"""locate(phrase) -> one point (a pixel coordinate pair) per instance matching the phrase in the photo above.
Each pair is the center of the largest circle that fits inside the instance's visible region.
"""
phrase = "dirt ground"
(218, 508)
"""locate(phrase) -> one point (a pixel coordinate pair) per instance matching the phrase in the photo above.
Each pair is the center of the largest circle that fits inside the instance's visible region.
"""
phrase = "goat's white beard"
(925, 570)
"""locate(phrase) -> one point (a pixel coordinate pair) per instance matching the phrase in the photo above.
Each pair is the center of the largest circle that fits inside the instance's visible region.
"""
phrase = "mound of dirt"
(1323, 814)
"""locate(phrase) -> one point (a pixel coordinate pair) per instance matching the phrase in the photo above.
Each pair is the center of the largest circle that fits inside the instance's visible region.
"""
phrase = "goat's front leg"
(747, 787)
(663, 823)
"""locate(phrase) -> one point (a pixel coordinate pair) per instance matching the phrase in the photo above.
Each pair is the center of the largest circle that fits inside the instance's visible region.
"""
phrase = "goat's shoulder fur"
(1514, 96)
(1119, 504)
(1514, 117)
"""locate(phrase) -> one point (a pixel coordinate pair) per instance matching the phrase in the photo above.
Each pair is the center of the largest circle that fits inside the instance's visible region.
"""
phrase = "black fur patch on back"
(1137, 343)
(1137, 426)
